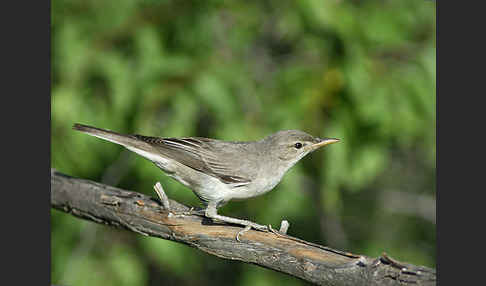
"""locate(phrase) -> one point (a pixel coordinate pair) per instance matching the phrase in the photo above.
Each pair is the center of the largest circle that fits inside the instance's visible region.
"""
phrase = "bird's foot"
(251, 225)
(284, 226)
(247, 228)
(192, 211)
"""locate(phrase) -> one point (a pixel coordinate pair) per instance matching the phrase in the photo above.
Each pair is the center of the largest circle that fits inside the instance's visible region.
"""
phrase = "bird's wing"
(200, 154)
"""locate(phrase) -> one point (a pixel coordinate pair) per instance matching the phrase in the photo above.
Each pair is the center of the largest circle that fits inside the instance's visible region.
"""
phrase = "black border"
(26, 142)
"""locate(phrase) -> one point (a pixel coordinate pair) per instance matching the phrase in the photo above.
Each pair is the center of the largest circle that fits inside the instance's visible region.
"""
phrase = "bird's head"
(290, 146)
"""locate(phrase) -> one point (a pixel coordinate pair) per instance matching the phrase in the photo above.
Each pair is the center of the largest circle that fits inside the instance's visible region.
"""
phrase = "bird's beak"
(323, 142)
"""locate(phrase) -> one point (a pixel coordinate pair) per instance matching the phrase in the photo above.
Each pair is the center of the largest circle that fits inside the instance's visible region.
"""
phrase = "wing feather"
(200, 154)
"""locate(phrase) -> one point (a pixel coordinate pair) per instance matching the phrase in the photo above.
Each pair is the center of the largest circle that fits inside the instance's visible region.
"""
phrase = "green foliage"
(361, 71)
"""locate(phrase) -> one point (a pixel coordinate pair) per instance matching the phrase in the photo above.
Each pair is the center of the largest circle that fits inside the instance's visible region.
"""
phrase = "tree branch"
(308, 261)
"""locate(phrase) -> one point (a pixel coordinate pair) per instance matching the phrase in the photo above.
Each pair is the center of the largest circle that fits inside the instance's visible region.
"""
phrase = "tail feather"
(128, 141)
(92, 130)
(104, 134)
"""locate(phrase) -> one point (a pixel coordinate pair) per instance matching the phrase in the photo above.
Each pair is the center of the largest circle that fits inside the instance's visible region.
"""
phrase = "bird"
(219, 171)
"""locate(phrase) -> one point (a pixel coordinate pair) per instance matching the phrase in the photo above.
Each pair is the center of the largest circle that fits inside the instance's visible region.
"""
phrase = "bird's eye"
(298, 145)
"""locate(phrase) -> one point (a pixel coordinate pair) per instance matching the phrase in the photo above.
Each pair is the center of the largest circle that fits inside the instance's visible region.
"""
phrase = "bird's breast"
(256, 188)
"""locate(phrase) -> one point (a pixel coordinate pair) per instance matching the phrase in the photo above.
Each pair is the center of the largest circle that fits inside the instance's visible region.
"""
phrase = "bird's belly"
(206, 188)
(209, 188)
(255, 189)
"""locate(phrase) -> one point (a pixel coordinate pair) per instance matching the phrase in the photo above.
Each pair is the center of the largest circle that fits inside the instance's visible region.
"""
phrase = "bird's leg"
(211, 212)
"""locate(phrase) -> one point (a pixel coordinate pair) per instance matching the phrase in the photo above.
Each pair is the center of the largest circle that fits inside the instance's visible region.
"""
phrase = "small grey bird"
(219, 171)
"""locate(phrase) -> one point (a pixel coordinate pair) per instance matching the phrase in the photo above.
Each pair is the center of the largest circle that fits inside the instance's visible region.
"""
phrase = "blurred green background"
(361, 71)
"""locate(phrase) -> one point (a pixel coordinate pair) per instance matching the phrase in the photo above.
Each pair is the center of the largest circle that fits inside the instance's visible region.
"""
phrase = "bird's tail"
(128, 141)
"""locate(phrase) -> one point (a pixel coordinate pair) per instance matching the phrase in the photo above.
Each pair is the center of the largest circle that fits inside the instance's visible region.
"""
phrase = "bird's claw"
(247, 228)
(254, 226)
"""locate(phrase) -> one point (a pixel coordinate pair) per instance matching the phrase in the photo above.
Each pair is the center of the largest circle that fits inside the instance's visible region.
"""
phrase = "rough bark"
(308, 261)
